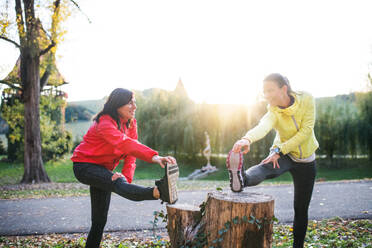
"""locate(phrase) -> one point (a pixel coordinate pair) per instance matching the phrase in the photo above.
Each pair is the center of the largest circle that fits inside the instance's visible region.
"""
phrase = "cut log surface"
(229, 220)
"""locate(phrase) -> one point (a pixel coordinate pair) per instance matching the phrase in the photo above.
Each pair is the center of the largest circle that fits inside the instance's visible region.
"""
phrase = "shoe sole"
(234, 163)
(172, 173)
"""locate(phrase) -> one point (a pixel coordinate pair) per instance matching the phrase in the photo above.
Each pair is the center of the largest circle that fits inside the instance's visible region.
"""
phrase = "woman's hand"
(116, 176)
(272, 158)
(242, 143)
(163, 160)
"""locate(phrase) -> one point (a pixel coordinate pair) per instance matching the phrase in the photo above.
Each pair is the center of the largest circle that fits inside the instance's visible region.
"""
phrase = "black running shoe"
(167, 185)
(234, 164)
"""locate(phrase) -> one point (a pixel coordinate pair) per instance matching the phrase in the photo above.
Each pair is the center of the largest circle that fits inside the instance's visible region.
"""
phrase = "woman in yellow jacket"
(292, 115)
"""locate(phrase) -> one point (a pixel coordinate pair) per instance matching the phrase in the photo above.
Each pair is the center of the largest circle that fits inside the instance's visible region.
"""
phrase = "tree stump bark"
(181, 217)
(226, 219)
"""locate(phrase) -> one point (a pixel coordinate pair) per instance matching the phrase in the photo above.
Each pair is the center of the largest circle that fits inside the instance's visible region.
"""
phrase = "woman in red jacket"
(111, 138)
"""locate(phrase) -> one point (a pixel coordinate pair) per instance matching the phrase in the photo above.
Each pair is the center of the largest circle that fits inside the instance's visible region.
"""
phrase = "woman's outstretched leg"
(100, 177)
(258, 173)
(255, 174)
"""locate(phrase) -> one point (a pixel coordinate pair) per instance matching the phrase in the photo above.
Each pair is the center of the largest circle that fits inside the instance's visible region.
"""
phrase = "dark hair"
(117, 98)
(280, 80)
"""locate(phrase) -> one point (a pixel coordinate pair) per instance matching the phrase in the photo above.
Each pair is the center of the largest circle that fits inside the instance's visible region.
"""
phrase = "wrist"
(155, 158)
(247, 141)
(275, 150)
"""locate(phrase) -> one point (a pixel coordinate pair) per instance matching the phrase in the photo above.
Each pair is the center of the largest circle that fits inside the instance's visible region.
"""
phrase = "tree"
(32, 45)
(364, 101)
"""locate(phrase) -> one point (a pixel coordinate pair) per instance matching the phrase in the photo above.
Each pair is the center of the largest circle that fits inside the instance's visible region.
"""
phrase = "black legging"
(303, 175)
(101, 186)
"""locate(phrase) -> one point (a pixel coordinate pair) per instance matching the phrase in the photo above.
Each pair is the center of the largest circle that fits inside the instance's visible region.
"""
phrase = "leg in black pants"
(258, 173)
(100, 177)
(303, 178)
(100, 203)
(101, 186)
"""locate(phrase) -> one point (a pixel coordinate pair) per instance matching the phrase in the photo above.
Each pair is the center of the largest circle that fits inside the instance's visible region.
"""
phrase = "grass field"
(61, 172)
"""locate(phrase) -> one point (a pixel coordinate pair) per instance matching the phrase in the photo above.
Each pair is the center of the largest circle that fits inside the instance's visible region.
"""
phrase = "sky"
(220, 49)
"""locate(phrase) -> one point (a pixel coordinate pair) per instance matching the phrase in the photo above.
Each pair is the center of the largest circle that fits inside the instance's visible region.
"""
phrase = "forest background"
(169, 121)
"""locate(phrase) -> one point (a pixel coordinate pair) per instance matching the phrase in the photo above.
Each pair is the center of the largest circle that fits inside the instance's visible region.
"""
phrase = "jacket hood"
(287, 111)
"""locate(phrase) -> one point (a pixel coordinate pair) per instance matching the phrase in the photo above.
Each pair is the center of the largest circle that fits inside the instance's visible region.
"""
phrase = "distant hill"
(83, 110)
(93, 105)
(349, 98)
(78, 113)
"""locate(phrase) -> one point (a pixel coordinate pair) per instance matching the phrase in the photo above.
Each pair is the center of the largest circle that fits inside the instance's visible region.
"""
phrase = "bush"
(55, 141)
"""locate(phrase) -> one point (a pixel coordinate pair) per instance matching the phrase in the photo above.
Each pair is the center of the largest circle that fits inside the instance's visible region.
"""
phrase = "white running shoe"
(168, 184)
(234, 164)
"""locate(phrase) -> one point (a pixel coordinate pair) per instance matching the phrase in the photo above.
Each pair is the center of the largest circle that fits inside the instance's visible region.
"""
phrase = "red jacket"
(104, 144)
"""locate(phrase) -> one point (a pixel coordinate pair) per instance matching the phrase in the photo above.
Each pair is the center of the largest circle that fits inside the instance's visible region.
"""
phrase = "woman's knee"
(258, 173)
(252, 180)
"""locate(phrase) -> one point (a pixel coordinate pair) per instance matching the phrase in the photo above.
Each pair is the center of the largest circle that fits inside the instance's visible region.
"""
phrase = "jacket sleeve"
(265, 125)
(129, 166)
(123, 145)
(305, 130)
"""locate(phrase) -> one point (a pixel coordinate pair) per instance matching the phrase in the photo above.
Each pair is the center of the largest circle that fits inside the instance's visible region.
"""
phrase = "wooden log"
(181, 218)
(226, 220)
(239, 219)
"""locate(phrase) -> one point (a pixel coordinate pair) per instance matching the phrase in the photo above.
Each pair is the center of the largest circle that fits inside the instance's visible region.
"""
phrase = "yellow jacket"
(294, 127)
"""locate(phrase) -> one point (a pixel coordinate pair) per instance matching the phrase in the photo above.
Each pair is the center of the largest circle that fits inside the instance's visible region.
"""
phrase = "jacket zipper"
(298, 129)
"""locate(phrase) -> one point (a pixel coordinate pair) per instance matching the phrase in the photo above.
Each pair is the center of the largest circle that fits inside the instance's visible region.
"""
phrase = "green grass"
(346, 169)
(61, 172)
(42, 193)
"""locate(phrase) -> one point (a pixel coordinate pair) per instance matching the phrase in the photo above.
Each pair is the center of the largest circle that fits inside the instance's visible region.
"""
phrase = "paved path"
(72, 214)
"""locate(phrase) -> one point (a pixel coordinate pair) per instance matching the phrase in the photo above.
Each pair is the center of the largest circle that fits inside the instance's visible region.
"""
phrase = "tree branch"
(11, 41)
(42, 52)
(10, 85)
(77, 6)
(44, 78)
(55, 20)
(45, 32)
(56, 5)
(20, 23)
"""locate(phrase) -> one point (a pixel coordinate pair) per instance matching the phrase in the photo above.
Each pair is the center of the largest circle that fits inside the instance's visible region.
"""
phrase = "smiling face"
(273, 94)
(128, 110)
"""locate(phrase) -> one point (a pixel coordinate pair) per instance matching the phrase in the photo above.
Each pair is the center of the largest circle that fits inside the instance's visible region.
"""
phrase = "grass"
(348, 169)
(61, 173)
(326, 233)
(42, 193)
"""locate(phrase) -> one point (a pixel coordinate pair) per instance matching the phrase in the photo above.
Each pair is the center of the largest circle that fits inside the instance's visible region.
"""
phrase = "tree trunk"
(180, 218)
(34, 171)
(227, 220)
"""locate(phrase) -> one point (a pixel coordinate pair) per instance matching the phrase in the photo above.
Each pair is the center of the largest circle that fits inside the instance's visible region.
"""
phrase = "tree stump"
(226, 219)
(181, 217)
